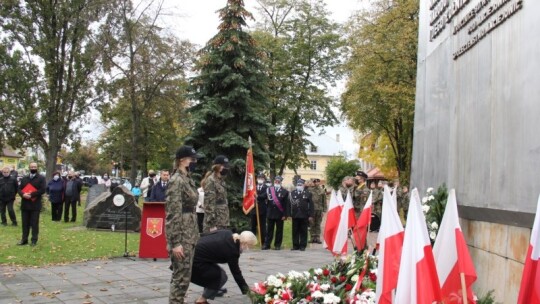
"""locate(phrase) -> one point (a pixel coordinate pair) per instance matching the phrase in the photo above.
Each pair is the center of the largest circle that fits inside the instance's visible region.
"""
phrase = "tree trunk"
(51, 153)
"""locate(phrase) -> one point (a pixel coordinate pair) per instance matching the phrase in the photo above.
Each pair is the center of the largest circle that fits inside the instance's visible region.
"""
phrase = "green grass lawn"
(62, 243)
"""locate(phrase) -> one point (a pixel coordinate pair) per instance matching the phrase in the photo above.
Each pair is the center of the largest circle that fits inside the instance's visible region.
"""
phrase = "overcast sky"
(197, 21)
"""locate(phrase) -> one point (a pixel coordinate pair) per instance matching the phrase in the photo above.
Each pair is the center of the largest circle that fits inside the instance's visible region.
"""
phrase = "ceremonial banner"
(249, 184)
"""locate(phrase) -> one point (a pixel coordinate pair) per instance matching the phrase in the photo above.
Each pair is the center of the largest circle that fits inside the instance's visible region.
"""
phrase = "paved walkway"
(133, 280)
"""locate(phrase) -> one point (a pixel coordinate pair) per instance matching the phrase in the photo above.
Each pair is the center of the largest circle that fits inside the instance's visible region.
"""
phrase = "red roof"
(375, 173)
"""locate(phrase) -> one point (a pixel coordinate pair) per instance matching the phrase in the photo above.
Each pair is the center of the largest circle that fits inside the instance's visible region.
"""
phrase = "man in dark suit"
(262, 197)
(278, 199)
(72, 195)
(31, 190)
(8, 191)
(159, 190)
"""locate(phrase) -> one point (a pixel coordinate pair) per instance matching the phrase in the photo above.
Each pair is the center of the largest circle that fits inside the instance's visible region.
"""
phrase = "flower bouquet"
(350, 280)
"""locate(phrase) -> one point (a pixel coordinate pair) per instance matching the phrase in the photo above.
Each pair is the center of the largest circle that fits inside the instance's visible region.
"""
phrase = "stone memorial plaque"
(113, 210)
(94, 192)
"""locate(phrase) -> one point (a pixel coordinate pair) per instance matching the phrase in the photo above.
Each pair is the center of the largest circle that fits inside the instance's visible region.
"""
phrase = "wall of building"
(476, 122)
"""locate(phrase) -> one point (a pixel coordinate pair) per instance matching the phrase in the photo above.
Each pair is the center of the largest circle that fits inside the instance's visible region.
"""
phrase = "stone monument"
(94, 192)
(113, 210)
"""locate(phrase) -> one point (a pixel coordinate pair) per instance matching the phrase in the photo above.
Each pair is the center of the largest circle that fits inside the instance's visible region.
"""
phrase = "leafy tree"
(52, 72)
(304, 51)
(376, 150)
(230, 93)
(83, 157)
(148, 69)
(380, 92)
(337, 169)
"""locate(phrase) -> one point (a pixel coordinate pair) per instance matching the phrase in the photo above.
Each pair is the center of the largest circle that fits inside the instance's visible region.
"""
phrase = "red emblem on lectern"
(154, 226)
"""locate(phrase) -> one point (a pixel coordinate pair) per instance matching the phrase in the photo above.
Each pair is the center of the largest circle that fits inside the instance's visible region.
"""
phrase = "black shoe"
(33, 244)
(294, 249)
(265, 248)
(4, 224)
(14, 224)
(73, 220)
(277, 248)
(302, 249)
(317, 241)
(21, 243)
(221, 292)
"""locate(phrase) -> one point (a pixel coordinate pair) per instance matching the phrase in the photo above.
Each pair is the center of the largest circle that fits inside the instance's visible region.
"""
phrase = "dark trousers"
(270, 232)
(30, 220)
(200, 221)
(262, 225)
(56, 211)
(70, 202)
(11, 212)
(209, 293)
(299, 233)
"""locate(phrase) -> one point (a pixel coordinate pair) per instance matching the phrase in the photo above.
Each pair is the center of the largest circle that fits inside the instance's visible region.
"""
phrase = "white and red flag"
(362, 225)
(346, 222)
(390, 241)
(332, 219)
(417, 281)
(249, 186)
(454, 263)
(529, 292)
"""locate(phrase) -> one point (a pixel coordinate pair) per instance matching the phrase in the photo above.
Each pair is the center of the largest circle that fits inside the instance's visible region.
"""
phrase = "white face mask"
(300, 188)
(268, 184)
(260, 181)
(277, 185)
(56, 177)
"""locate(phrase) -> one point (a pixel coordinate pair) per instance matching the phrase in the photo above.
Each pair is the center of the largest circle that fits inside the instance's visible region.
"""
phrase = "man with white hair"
(219, 247)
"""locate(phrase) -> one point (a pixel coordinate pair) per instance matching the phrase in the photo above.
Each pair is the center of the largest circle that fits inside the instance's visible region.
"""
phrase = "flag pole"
(464, 288)
(256, 204)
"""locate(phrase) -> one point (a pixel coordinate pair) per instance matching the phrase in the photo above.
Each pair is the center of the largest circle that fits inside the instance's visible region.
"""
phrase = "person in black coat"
(158, 192)
(261, 205)
(278, 199)
(301, 211)
(31, 190)
(72, 195)
(8, 191)
(219, 247)
(55, 190)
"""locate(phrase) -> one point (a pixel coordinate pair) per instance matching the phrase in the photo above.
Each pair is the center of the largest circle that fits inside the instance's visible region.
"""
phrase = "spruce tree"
(230, 96)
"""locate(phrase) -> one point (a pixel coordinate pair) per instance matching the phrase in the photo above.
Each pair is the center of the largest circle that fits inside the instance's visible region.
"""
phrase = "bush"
(337, 169)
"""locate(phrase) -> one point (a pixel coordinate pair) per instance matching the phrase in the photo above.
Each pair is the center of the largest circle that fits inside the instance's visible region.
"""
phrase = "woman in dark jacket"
(219, 247)
(55, 190)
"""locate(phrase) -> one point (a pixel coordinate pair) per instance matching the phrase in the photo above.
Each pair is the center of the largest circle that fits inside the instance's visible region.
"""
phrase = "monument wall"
(477, 117)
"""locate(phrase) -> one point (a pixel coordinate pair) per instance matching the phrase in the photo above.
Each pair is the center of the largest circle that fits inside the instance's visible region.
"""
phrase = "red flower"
(334, 280)
(342, 278)
(326, 272)
(285, 296)
(308, 298)
(373, 277)
(348, 287)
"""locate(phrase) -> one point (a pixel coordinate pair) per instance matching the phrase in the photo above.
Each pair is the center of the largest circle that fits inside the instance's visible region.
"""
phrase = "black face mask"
(191, 166)
(224, 171)
(33, 171)
(152, 175)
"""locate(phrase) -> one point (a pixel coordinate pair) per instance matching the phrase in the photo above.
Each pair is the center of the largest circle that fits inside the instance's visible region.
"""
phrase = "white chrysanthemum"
(288, 285)
(318, 271)
(274, 281)
(280, 275)
(434, 225)
(425, 208)
(306, 274)
(374, 271)
(429, 190)
(276, 297)
(331, 298)
(432, 235)
(424, 200)
(317, 294)
(431, 197)
(354, 278)
(325, 287)
(294, 274)
(267, 298)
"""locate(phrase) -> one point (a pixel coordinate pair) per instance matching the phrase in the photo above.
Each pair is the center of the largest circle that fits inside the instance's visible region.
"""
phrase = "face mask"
(277, 185)
(191, 166)
(300, 188)
(260, 181)
(268, 184)
(33, 171)
(105, 177)
(224, 171)
(56, 177)
(152, 175)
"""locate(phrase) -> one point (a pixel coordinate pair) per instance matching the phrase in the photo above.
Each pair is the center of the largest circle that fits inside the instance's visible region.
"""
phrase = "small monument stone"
(94, 192)
(113, 210)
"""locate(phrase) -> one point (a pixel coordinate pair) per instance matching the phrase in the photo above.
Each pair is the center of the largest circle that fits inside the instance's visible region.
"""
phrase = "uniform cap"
(300, 182)
(362, 174)
(221, 160)
(186, 151)
(261, 175)
(279, 178)
(316, 180)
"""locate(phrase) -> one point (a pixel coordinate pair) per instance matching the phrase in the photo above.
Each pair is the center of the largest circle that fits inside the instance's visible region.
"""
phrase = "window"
(313, 165)
(313, 149)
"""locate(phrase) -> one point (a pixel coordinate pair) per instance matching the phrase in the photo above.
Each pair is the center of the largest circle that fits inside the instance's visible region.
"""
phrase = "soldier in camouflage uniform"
(181, 223)
(347, 185)
(361, 192)
(216, 207)
(318, 196)
(378, 194)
